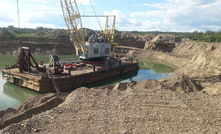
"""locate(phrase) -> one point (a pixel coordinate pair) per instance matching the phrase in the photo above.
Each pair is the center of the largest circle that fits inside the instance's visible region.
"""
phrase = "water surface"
(12, 95)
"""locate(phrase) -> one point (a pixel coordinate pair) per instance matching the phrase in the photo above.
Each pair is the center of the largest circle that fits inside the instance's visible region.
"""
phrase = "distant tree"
(40, 28)
(11, 27)
(209, 32)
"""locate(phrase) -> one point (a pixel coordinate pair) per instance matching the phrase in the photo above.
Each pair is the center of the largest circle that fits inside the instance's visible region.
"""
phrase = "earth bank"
(135, 107)
(188, 102)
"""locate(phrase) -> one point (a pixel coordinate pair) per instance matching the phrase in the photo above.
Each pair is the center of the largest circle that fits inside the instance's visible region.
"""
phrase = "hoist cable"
(85, 13)
(18, 14)
(96, 16)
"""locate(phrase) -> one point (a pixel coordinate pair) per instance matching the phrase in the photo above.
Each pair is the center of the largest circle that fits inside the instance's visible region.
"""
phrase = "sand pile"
(162, 42)
(30, 107)
(182, 83)
(142, 107)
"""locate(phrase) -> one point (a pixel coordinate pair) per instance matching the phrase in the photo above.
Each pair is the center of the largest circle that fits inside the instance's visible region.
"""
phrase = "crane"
(92, 47)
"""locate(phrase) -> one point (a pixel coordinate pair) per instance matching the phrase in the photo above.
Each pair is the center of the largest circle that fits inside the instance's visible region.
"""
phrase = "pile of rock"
(162, 42)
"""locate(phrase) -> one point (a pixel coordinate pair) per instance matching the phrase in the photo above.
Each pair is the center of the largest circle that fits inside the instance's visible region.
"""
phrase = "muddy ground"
(188, 102)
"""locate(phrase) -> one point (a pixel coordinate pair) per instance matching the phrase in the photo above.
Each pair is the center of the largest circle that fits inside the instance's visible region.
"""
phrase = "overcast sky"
(132, 15)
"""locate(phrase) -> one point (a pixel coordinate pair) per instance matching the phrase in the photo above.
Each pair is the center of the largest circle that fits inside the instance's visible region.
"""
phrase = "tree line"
(207, 36)
(24, 31)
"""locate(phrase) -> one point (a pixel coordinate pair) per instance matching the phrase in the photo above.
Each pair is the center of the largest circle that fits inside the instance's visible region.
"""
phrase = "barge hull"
(42, 83)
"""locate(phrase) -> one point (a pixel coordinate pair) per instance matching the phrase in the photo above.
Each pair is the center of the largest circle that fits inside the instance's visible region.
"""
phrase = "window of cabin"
(96, 51)
(107, 50)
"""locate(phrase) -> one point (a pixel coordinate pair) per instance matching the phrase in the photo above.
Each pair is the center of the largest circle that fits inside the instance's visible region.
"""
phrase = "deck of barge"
(80, 76)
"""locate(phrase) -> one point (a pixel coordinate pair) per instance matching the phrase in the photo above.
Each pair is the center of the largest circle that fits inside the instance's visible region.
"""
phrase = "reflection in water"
(156, 66)
(18, 93)
(114, 80)
(144, 74)
(12, 95)
(140, 75)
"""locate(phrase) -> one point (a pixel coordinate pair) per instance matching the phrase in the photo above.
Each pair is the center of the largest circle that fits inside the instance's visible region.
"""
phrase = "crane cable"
(18, 24)
(96, 16)
(85, 13)
(18, 14)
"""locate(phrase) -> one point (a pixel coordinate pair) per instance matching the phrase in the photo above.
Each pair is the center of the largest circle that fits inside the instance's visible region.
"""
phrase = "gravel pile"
(142, 107)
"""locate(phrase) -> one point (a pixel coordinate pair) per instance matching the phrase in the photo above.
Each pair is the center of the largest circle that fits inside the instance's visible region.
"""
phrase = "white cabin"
(98, 49)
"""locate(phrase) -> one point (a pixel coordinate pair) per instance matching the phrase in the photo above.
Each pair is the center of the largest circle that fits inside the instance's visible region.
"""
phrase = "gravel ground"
(175, 105)
(135, 107)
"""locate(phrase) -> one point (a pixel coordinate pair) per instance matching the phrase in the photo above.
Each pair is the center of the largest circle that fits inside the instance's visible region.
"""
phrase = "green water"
(12, 95)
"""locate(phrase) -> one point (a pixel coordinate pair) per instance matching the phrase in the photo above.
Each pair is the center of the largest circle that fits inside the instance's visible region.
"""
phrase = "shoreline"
(187, 102)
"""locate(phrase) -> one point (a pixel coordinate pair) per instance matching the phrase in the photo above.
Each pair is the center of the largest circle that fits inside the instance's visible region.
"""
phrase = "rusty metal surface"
(68, 79)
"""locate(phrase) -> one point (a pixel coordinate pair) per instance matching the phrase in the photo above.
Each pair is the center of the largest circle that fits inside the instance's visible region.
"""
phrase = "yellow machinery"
(92, 47)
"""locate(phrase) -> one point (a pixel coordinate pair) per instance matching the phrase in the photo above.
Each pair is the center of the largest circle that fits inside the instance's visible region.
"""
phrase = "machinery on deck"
(27, 63)
(25, 59)
(54, 66)
(93, 47)
(57, 75)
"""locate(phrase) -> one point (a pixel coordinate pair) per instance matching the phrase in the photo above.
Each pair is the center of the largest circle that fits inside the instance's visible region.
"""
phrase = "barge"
(42, 78)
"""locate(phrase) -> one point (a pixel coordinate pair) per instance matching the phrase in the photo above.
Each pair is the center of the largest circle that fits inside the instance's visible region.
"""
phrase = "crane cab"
(98, 49)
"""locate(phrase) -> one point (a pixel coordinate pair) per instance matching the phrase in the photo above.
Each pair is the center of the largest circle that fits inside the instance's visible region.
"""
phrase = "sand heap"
(135, 107)
(182, 83)
(205, 63)
(148, 106)
(31, 107)
(163, 42)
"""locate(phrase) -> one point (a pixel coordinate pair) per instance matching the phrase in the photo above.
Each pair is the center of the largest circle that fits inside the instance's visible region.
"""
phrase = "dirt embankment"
(194, 59)
(44, 42)
(58, 42)
(197, 60)
(43, 48)
(135, 107)
(30, 107)
(188, 102)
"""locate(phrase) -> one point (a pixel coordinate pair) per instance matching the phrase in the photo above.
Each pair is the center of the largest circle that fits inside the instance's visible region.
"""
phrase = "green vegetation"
(207, 36)
(25, 32)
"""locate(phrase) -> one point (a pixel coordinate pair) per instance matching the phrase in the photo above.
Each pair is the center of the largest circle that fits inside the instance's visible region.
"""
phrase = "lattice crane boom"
(92, 46)
(73, 21)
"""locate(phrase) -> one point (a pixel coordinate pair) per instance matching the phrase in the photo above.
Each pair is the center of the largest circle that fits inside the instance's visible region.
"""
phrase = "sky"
(131, 15)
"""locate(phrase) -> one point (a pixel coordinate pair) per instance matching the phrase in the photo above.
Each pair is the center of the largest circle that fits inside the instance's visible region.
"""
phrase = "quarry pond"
(13, 95)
